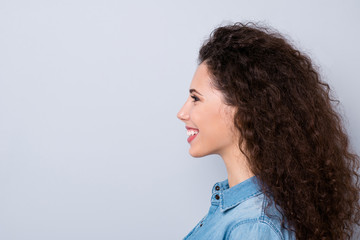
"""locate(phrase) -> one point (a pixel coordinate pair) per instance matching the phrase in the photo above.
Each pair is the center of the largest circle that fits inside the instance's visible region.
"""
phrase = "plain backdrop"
(90, 146)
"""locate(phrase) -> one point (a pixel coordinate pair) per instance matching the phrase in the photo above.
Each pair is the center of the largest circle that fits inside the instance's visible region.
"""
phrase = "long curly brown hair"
(294, 137)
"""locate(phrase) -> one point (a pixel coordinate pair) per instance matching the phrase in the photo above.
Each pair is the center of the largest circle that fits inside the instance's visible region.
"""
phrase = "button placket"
(216, 197)
(202, 221)
(216, 191)
(216, 188)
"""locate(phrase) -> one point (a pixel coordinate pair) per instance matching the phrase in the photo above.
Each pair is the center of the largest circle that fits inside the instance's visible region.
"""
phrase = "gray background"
(90, 146)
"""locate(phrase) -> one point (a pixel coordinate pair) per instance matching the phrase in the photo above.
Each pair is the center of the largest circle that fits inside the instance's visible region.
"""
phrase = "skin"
(217, 134)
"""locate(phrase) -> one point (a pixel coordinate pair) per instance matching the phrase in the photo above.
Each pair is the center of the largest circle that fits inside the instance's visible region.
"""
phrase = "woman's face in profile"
(212, 121)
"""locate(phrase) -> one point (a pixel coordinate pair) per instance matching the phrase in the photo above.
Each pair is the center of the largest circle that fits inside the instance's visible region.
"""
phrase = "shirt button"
(200, 224)
(217, 188)
(217, 197)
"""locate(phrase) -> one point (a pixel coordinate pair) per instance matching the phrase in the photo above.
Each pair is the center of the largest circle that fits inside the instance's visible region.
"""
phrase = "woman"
(259, 103)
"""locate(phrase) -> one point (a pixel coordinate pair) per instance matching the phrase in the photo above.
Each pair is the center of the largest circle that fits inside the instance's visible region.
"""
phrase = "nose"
(183, 114)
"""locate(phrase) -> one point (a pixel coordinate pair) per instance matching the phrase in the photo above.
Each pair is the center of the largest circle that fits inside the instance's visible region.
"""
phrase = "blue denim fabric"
(238, 213)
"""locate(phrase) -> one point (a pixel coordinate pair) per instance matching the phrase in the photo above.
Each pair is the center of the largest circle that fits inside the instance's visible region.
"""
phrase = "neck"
(236, 166)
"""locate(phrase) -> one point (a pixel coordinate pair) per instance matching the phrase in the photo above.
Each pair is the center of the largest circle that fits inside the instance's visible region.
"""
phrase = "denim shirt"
(238, 213)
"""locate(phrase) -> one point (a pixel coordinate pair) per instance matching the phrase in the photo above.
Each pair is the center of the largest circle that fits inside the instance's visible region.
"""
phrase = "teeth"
(192, 132)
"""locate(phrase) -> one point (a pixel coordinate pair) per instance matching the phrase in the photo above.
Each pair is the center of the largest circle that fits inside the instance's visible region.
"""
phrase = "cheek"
(213, 122)
(212, 125)
(203, 119)
(220, 126)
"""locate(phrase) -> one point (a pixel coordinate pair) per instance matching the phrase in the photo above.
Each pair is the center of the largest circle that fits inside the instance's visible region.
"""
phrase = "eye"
(195, 98)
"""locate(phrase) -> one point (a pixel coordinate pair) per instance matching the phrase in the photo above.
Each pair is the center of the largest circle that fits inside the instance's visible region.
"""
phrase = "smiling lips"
(192, 133)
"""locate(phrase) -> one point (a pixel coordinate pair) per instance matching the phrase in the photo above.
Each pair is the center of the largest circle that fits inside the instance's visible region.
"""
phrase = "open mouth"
(192, 133)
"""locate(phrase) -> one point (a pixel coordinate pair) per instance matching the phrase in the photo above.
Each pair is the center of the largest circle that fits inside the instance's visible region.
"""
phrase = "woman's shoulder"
(256, 221)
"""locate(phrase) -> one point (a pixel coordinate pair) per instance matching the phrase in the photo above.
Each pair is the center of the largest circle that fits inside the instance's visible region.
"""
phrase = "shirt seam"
(265, 218)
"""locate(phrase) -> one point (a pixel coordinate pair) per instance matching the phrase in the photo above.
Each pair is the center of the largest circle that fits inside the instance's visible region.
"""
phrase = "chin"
(197, 154)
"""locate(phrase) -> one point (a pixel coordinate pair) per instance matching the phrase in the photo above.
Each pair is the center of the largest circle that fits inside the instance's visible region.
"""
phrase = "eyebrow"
(193, 90)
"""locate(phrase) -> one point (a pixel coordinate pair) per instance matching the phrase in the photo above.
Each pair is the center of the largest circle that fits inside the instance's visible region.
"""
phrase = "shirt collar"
(231, 197)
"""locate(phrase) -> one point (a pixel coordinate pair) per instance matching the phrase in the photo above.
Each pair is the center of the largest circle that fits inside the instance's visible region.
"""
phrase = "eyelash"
(195, 98)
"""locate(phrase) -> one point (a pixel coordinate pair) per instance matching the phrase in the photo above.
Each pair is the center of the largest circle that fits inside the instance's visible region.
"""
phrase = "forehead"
(201, 80)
